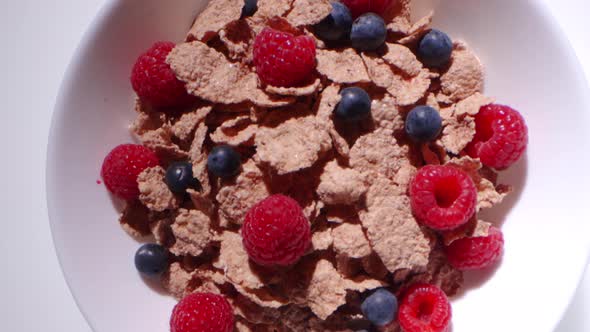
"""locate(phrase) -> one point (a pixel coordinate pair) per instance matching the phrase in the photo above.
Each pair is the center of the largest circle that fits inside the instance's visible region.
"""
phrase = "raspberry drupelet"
(154, 81)
(121, 167)
(200, 312)
(424, 308)
(442, 197)
(283, 59)
(275, 231)
(501, 136)
(472, 253)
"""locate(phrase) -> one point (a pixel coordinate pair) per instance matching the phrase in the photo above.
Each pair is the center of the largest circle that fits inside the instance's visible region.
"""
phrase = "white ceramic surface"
(529, 65)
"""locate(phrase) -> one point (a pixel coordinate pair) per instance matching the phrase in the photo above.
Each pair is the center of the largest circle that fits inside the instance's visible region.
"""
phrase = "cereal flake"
(417, 30)
(488, 194)
(293, 145)
(236, 197)
(154, 192)
(399, 17)
(214, 17)
(473, 228)
(234, 261)
(209, 75)
(236, 132)
(378, 153)
(459, 122)
(406, 91)
(162, 231)
(192, 231)
(439, 273)
(392, 230)
(321, 239)
(147, 119)
(295, 91)
(433, 153)
(198, 157)
(185, 126)
(176, 280)
(465, 75)
(328, 100)
(374, 267)
(386, 114)
(271, 8)
(403, 59)
(160, 141)
(308, 12)
(263, 297)
(325, 277)
(135, 219)
(338, 214)
(350, 240)
(409, 91)
(238, 38)
(340, 185)
(341, 66)
(378, 70)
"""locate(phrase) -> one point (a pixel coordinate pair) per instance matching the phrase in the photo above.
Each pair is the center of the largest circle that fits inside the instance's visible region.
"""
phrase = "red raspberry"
(443, 197)
(473, 253)
(501, 136)
(359, 7)
(281, 59)
(202, 312)
(154, 81)
(121, 167)
(275, 231)
(424, 308)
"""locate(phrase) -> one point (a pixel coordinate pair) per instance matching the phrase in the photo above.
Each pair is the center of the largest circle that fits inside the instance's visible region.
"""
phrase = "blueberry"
(368, 32)
(423, 123)
(380, 307)
(179, 177)
(355, 105)
(151, 259)
(435, 48)
(224, 161)
(250, 7)
(336, 25)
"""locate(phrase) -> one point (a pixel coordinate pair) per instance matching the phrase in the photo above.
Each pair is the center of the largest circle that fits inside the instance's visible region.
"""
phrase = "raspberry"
(275, 231)
(424, 308)
(121, 167)
(359, 7)
(473, 253)
(281, 59)
(501, 136)
(442, 197)
(200, 312)
(154, 81)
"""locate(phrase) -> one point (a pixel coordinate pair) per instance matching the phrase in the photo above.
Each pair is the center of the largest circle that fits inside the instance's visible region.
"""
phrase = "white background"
(38, 38)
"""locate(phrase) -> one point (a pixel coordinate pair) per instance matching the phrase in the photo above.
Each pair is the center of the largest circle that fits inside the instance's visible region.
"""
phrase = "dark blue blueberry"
(151, 259)
(335, 26)
(380, 308)
(224, 161)
(355, 105)
(435, 48)
(368, 32)
(423, 123)
(179, 177)
(250, 7)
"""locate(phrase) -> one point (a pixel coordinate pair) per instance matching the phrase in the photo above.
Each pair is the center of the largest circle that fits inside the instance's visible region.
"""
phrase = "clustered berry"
(275, 232)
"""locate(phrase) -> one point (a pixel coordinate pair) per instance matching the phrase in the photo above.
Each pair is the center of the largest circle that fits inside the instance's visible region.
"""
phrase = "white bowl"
(529, 65)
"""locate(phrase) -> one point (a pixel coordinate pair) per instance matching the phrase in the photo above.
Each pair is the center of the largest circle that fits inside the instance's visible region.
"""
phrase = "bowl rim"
(106, 10)
(111, 6)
